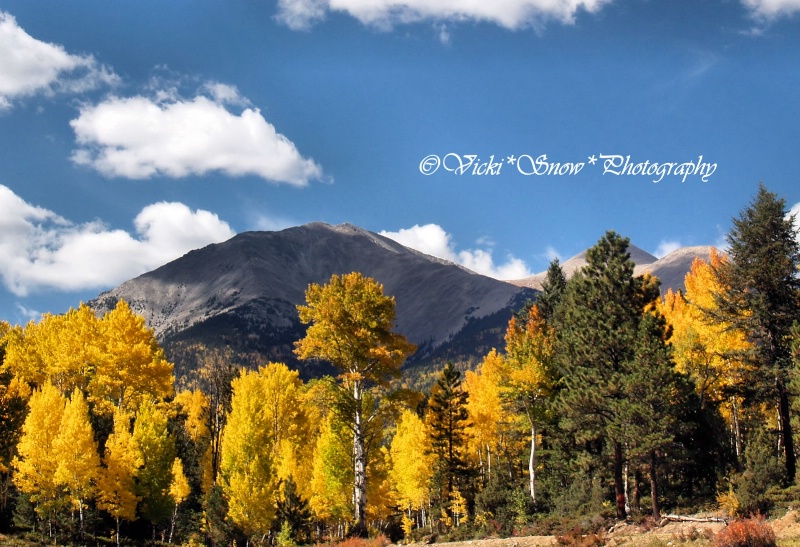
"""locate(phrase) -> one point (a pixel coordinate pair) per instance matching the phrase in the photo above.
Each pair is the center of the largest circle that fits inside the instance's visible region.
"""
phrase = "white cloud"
(301, 14)
(270, 223)
(511, 14)
(432, 239)
(29, 66)
(551, 254)
(27, 314)
(795, 212)
(141, 137)
(772, 9)
(42, 250)
(666, 247)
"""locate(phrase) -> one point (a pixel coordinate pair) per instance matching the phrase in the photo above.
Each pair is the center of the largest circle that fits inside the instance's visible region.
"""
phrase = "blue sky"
(132, 132)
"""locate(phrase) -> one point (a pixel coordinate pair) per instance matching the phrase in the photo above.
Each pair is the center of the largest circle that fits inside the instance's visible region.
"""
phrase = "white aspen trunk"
(359, 460)
(488, 462)
(625, 472)
(532, 464)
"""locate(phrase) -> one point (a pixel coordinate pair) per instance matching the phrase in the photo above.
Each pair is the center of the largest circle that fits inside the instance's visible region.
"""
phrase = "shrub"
(754, 532)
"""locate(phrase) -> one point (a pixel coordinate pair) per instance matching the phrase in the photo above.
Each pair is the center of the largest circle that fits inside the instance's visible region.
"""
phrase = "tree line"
(609, 399)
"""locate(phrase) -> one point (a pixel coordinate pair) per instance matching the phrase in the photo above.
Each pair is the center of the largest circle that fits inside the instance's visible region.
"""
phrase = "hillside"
(243, 294)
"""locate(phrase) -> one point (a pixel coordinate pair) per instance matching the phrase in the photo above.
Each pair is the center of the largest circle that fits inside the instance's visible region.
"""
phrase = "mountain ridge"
(242, 293)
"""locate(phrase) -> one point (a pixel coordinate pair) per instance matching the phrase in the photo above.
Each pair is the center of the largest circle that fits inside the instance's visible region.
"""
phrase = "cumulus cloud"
(43, 250)
(772, 9)
(29, 66)
(511, 14)
(666, 247)
(141, 137)
(433, 240)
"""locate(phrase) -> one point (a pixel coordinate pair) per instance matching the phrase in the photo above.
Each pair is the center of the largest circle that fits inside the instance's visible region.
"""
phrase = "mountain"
(242, 294)
(670, 269)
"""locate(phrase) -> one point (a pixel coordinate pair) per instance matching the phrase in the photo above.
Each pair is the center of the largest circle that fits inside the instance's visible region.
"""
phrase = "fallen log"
(681, 518)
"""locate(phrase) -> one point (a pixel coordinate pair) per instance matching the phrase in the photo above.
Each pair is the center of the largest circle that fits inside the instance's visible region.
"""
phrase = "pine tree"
(293, 511)
(656, 395)
(447, 422)
(553, 287)
(596, 329)
(763, 300)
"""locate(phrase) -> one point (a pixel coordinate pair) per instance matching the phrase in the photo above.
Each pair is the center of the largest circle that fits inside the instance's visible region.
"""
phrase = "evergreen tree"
(447, 420)
(762, 299)
(553, 287)
(657, 393)
(293, 511)
(596, 331)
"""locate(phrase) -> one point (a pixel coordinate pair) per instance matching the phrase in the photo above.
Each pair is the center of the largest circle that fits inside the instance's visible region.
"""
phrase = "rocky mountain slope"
(242, 293)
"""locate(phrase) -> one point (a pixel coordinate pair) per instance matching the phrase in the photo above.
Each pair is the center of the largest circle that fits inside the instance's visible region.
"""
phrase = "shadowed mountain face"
(242, 294)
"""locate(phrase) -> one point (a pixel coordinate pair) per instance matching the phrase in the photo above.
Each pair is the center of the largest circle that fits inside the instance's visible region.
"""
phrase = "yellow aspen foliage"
(195, 405)
(407, 524)
(248, 472)
(379, 487)
(179, 490)
(489, 418)
(157, 450)
(116, 487)
(60, 349)
(529, 356)
(284, 411)
(705, 347)
(412, 462)
(131, 367)
(351, 323)
(78, 462)
(458, 507)
(332, 479)
(35, 467)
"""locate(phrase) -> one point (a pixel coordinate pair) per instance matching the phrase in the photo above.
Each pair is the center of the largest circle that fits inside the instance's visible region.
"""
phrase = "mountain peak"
(244, 292)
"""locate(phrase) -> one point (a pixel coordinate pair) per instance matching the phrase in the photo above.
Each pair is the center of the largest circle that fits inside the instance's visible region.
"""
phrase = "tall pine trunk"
(359, 462)
(654, 485)
(619, 485)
